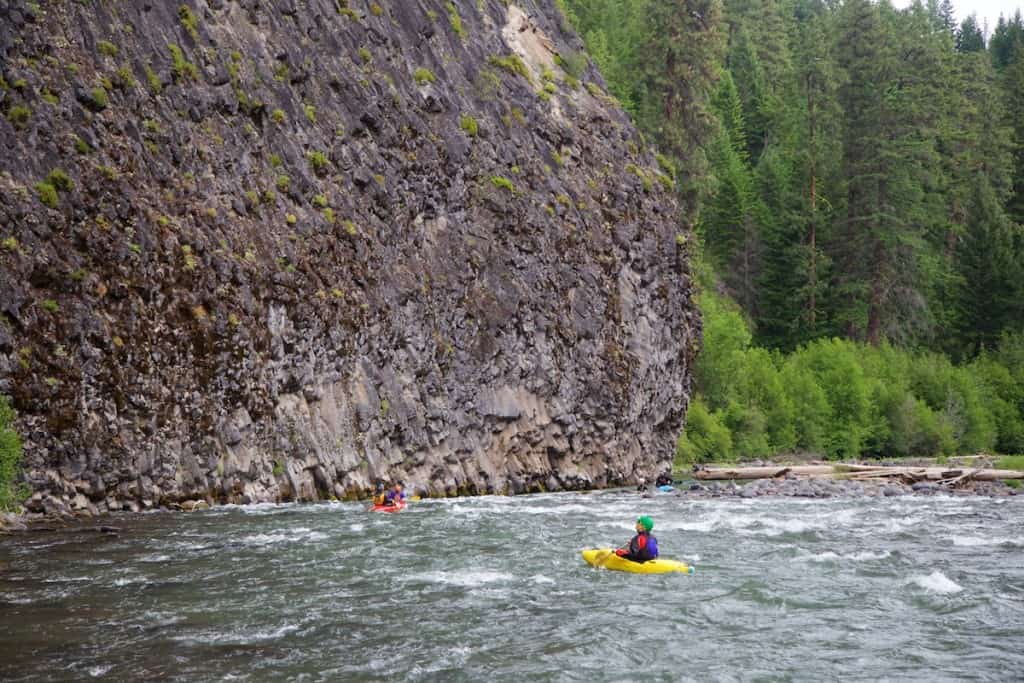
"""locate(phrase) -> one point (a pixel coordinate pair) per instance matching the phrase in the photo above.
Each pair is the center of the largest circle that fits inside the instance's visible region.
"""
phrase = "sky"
(985, 9)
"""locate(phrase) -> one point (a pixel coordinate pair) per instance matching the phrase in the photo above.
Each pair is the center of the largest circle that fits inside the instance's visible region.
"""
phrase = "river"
(494, 589)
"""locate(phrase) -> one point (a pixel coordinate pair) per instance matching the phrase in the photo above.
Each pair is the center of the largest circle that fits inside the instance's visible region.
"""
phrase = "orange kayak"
(390, 508)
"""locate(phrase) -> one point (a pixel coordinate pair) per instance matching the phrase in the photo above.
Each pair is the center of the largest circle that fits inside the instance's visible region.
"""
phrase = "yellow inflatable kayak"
(607, 559)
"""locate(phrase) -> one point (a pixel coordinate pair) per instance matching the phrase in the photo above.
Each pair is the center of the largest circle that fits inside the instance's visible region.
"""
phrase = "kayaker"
(664, 479)
(395, 496)
(643, 546)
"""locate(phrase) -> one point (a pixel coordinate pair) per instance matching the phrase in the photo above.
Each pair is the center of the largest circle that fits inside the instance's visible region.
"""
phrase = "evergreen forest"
(855, 175)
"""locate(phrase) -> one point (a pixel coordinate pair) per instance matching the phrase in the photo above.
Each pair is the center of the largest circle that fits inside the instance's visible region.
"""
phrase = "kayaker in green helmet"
(643, 546)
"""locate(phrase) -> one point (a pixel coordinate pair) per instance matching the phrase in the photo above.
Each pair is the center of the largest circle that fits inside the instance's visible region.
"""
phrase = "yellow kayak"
(607, 559)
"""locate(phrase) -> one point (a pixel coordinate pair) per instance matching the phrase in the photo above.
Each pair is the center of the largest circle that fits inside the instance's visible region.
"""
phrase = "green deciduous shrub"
(705, 438)
(10, 458)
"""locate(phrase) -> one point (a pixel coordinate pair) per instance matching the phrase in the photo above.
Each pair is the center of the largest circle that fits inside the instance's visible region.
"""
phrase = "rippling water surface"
(494, 589)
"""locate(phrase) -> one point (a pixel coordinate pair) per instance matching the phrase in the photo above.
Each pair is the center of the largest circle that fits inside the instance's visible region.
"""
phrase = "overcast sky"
(985, 9)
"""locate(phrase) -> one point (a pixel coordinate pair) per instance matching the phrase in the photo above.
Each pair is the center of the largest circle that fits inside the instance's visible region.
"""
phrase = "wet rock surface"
(277, 250)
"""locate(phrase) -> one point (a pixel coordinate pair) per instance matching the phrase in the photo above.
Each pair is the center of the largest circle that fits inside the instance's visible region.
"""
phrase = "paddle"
(603, 559)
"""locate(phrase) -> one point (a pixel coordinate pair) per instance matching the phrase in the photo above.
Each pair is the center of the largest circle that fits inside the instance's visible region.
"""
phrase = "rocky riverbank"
(832, 488)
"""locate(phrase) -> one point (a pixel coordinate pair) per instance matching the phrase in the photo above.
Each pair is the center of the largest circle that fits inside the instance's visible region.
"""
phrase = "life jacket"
(643, 547)
(392, 498)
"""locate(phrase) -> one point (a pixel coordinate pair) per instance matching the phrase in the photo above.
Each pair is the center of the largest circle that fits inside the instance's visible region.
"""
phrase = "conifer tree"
(888, 149)
(682, 51)
(969, 37)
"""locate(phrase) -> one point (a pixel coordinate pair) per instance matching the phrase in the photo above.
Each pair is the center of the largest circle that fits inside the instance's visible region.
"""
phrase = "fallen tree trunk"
(763, 472)
(943, 475)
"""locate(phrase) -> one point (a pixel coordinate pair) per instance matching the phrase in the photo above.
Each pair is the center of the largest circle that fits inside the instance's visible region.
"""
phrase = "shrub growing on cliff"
(181, 67)
(455, 20)
(503, 183)
(317, 159)
(154, 81)
(60, 180)
(469, 124)
(572, 63)
(47, 194)
(10, 458)
(107, 48)
(513, 64)
(189, 21)
(423, 76)
(19, 115)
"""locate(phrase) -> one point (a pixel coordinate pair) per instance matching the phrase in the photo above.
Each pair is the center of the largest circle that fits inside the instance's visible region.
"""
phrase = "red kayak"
(389, 508)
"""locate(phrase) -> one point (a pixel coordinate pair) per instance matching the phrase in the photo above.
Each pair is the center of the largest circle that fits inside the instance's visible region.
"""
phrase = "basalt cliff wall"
(277, 250)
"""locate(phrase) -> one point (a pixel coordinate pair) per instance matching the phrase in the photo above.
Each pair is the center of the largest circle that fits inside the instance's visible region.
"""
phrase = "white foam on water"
(258, 508)
(746, 523)
(99, 561)
(454, 657)
(831, 556)
(466, 579)
(704, 526)
(129, 580)
(357, 527)
(540, 578)
(937, 582)
(97, 671)
(895, 525)
(68, 579)
(155, 558)
(777, 527)
(239, 637)
(290, 536)
(160, 618)
(265, 539)
(552, 511)
(971, 541)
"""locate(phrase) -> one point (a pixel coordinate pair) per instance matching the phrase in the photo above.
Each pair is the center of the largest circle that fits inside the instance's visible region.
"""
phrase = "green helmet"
(646, 522)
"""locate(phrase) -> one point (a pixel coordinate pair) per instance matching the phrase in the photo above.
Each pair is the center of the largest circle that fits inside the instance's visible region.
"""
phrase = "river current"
(494, 589)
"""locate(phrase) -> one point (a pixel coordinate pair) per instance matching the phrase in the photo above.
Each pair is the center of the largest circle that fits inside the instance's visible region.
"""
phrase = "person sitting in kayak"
(664, 479)
(395, 496)
(643, 546)
(378, 496)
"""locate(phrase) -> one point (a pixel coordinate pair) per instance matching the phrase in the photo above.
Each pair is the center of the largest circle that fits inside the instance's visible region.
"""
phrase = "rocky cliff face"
(275, 250)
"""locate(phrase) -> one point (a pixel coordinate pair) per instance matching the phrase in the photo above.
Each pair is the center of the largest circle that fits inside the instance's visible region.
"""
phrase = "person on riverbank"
(395, 496)
(643, 546)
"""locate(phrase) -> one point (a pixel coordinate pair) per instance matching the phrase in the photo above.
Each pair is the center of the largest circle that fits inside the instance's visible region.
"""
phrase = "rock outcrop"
(257, 250)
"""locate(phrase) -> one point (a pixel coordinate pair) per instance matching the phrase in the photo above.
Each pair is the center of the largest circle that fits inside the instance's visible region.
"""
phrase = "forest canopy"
(855, 174)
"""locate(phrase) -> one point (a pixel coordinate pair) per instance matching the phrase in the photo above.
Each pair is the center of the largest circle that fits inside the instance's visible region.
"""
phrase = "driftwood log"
(943, 475)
